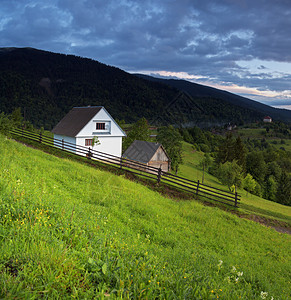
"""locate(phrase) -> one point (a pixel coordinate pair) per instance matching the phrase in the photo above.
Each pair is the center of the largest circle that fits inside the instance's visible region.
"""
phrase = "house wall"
(111, 128)
(157, 164)
(160, 155)
(160, 159)
(58, 142)
(110, 138)
(108, 144)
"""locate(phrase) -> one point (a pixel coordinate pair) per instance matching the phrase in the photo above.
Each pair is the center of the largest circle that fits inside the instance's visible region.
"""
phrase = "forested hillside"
(47, 85)
(249, 109)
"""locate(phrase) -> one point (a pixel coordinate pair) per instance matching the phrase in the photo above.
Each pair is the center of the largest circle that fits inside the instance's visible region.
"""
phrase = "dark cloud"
(205, 38)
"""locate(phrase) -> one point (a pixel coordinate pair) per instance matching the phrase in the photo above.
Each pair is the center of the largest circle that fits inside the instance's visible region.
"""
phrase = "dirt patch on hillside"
(277, 225)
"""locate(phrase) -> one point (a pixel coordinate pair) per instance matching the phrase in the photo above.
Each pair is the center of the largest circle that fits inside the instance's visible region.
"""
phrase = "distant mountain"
(198, 91)
(47, 85)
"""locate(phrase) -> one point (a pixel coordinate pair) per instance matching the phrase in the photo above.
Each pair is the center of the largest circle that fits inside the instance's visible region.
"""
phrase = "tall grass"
(71, 231)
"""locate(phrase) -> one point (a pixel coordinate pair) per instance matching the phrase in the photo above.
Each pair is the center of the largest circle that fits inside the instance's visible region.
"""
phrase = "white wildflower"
(220, 263)
(233, 269)
(264, 295)
(240, 274)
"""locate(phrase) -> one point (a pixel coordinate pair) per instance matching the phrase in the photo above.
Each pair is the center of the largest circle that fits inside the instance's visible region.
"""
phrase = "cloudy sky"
(243, 46)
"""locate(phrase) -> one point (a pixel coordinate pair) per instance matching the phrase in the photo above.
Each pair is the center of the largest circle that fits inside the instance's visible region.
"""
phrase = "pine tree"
(140, 131)
(171, 139)
(283, 195)
(239, 152)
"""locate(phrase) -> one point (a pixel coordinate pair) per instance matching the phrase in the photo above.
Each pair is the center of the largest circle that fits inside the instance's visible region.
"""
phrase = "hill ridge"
(47, 85)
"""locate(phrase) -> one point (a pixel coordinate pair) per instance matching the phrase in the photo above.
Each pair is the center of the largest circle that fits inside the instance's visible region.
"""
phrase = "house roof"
(142, 151)
(267, 117)
(75, 120)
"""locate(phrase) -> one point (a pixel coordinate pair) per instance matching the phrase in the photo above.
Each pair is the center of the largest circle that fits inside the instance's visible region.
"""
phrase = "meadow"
(68, 230)
(260, 133)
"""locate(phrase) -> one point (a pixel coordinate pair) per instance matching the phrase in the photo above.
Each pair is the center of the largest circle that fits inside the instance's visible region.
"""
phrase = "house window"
(88, 142)
(100, 126)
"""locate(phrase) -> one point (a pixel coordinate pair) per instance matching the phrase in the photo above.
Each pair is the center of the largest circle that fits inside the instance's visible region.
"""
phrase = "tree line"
(253, 164)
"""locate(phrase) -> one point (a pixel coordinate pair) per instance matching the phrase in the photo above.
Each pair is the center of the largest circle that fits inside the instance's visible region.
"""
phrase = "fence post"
(159, 175)
(235, 200)
(120, 162)
(63, 144)
(197, 190)
(40, 137)
(89, 153)
(22, 130)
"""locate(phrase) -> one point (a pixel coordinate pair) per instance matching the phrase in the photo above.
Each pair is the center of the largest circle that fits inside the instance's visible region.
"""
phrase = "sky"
(242, 46)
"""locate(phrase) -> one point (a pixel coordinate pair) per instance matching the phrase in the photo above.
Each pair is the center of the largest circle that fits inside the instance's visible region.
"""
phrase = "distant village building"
(149, 154)
(230, 126)
(267, 119)
(82, 124)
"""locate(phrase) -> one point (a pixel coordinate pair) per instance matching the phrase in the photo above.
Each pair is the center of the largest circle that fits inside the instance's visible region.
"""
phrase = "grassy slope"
(70, 230)
(250, 204)
(260, 133)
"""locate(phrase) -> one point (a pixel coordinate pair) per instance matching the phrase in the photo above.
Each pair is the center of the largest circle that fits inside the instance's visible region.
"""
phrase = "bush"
(204, 148)
(5, 123)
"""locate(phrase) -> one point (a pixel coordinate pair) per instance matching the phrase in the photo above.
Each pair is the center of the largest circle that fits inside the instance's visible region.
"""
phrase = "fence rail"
(134, 167)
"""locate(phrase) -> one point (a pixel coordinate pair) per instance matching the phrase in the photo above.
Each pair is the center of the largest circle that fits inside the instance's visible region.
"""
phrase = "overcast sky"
(243, 46)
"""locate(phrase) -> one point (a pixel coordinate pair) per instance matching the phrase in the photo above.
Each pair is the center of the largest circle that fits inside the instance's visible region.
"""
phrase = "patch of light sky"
(3, 22)
(257, 66)
(249, 92)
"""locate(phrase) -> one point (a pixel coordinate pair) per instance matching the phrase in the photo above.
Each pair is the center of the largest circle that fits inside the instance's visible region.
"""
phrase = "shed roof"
(75, 120)
(142, 151)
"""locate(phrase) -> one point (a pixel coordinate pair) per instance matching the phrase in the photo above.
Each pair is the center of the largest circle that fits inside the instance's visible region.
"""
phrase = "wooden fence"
(195, 187)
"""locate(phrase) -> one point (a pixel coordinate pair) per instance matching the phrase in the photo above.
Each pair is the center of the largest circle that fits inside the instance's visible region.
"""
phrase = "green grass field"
(260, 133)
(68, 230)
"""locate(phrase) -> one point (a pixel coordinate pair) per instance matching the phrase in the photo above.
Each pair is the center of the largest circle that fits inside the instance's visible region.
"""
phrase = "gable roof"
(142, 151)
(76, 119)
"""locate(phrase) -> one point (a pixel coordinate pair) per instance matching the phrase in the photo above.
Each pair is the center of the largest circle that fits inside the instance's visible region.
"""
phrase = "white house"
(82, 124)
(267, 119)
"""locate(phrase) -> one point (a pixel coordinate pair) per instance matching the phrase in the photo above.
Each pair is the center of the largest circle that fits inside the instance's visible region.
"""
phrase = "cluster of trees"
(13, 120)
(255, 165)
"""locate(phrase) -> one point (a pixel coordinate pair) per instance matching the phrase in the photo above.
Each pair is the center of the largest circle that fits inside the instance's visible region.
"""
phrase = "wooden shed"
(148, 153)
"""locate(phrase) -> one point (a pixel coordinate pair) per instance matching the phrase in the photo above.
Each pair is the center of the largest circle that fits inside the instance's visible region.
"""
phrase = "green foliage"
(256, 166)
(95, 141)
(139, 131)
(225, 151)
(5, 123)
(257, 156)
(249, 183)
(78, 232)
(230, 173)
(16, 117)
(230, 150)
(171, 139)
(206, 162)
(283, 195)
(271, 187)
